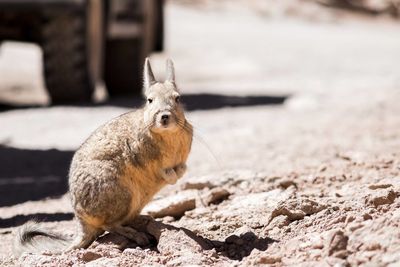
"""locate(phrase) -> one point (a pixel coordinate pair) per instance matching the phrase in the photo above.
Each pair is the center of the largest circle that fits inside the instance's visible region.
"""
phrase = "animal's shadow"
(234, 247)
(20, 219)
(32, 174)
(197, 101)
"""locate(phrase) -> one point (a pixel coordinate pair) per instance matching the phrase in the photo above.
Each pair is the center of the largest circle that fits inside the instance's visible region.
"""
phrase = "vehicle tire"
(66, 61)
(123, 67)
(159, 26)
(124, 57)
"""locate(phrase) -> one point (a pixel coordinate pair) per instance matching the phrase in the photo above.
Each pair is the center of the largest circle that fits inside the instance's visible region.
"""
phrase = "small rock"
(342, 254)
(366, 216)
(322, 168)
(269, 259)
(296, 208)
(90, 256)
(373, 246)
(213, 226)
(216, 196)
(354, 226)
(285, 183)
(349, 219)
(197, 186)
(379, 186)
(279, 222)
(381, 197)
(174, 205)
(336, 244)
(343, 156)
(291, 214)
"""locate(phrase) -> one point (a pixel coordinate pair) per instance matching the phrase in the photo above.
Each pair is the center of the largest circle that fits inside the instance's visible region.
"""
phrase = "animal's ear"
(148, 75)
(170, 71)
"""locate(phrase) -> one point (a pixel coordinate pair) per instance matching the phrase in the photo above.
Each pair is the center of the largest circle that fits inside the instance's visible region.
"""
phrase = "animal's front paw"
(180, 169)
(169, 175)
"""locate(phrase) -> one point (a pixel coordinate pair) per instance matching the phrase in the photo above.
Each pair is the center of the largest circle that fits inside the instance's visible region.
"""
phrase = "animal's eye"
(150, 100)
(177, 99)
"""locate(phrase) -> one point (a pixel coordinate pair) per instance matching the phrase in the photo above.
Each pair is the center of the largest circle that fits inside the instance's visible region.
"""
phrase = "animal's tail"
(31, 237)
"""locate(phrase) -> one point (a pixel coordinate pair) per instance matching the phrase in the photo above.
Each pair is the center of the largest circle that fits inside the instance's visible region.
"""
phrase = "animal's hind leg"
(130, 233)
(85, 236)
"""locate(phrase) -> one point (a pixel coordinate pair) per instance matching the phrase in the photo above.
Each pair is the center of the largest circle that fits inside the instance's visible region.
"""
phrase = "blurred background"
(246, 69)
(71, 52)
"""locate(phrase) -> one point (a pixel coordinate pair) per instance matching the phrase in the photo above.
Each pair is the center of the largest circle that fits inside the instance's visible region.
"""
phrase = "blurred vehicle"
(85, 42)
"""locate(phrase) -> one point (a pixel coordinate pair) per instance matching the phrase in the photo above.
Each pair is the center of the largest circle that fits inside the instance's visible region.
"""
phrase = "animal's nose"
(165, 119)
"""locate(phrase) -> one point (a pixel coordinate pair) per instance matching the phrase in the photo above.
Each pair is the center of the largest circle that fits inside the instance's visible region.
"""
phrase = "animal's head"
(163, 110)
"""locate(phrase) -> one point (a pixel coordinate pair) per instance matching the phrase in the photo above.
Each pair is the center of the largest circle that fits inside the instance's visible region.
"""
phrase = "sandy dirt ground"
(296, 156)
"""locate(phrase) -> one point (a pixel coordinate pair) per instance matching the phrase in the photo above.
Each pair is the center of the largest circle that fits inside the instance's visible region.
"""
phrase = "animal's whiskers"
(196, 136)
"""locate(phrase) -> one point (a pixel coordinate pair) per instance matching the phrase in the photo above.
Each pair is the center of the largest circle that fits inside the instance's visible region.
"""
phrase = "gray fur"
(30, 235)
(118, 169)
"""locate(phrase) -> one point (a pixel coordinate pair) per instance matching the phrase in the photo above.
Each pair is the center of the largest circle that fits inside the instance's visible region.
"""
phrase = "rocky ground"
(301, 167)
